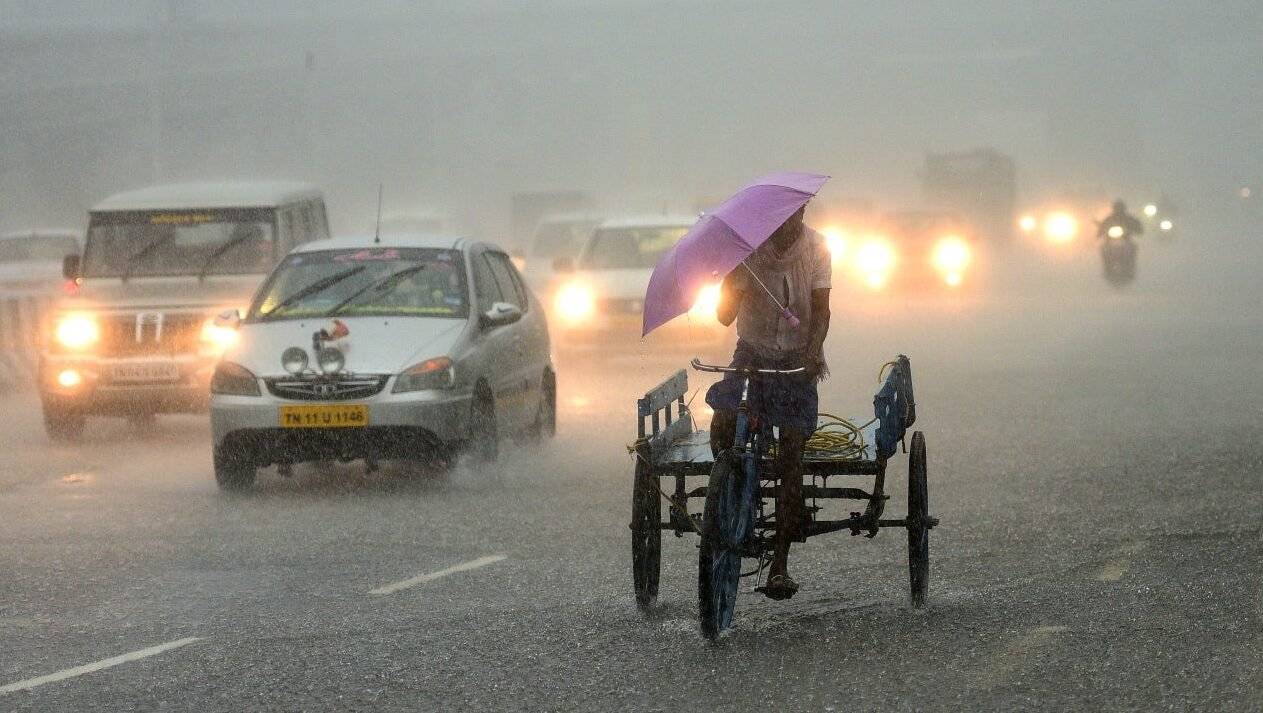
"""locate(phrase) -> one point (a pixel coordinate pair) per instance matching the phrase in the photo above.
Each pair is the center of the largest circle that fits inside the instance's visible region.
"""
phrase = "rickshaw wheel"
(719, 562)
(646, 536)
(918, 518)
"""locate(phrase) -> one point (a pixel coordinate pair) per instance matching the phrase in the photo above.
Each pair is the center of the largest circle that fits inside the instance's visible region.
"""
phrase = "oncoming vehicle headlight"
(219, 337)
(437, 373)
(1151, 210)
(707, 302)
(835, 240)
(77, 331)
(1060, 227)
(1165, 225)
(951, 257)
(1115, 231)
(233, 380)
(1027, 223)
(575, 302)
(875, 259)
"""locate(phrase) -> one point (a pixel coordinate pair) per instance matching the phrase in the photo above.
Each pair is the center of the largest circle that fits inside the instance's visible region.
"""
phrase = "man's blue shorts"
(785, 400)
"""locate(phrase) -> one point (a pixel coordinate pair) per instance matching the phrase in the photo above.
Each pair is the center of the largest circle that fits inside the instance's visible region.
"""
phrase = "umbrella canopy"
(721, 240)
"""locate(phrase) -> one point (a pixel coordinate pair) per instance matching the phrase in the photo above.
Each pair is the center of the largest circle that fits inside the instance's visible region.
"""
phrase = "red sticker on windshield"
(368, 255)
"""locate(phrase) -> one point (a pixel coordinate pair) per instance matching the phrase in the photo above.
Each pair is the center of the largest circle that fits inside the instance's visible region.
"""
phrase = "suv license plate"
(146, 371)
(325, 416)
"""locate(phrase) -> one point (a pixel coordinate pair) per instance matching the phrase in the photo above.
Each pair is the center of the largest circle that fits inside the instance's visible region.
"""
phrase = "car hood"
(373, 345)
(166, 293)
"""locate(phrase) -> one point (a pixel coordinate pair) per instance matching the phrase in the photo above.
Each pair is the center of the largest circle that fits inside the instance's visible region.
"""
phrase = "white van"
(136, 335)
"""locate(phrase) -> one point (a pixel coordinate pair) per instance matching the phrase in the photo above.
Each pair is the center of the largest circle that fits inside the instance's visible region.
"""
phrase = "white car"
(414, 347)
(600, 297)
(561, 235)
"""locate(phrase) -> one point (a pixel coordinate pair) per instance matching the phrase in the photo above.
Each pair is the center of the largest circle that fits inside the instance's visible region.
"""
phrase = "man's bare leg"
(789, 502)
(723, 430)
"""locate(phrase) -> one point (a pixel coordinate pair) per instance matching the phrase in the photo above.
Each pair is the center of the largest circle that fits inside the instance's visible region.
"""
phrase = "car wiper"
(382, 286)
(210, 260)
(317, 286)
(134, 260)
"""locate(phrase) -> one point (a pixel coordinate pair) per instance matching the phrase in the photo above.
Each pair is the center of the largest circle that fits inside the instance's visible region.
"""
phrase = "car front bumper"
(183, 386)
(404, 425)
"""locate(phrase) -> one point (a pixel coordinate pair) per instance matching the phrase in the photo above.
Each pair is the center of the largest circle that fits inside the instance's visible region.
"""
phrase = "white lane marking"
(423, 578)
(1014, 654)
(99, 665)
(1120, 561)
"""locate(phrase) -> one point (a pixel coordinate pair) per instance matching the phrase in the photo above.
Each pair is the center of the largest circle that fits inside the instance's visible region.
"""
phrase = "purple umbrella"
(721, 240)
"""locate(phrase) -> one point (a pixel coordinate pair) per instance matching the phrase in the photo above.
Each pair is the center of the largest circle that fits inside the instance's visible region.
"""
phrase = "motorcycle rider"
(1119, 217)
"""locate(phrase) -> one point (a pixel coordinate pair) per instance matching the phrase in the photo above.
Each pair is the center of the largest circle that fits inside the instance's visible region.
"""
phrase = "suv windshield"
(417, 282)
(630, 248)
(195, 242)
(36, 248)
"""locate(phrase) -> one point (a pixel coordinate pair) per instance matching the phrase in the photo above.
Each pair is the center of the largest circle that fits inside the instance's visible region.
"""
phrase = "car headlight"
(951, 254)
(875, 259)
(707, 302)
(835, 240)
(77, 331)
(220, 338)
(438, 373)
(1060, 227)
(575, 302)
(1027, 223)
(233, 380)
(1165, 225)
(1151, 210)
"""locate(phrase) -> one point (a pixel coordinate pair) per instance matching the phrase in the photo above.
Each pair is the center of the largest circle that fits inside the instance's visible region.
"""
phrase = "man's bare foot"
(779, 586)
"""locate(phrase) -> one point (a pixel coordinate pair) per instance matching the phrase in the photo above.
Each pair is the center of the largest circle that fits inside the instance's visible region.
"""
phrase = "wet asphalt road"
(1094, 458)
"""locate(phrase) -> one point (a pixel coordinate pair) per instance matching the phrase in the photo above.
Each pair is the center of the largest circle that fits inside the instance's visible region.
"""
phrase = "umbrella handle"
(789, 317)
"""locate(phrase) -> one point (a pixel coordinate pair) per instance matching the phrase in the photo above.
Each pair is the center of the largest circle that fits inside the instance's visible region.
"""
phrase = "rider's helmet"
(1120, 207)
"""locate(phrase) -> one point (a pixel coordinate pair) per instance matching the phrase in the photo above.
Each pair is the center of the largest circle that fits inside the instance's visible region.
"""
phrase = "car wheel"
(62, 422)
(546, 420)
(484, 444)
(233, 473)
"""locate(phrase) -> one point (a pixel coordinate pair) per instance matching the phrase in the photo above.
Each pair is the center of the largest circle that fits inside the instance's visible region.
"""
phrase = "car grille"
(342, 389)
(621, 306)
(151, 333)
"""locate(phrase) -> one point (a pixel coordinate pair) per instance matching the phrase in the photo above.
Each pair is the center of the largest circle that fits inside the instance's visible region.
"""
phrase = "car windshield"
(37, 248)
(631, 247)
(561, 237)
(166, 243)
(413, 282)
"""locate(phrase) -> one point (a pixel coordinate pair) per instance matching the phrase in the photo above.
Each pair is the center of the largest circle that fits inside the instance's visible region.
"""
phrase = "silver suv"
(136, 337)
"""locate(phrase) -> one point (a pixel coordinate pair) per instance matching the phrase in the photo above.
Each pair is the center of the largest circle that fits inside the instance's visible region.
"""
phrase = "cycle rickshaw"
(737, 521)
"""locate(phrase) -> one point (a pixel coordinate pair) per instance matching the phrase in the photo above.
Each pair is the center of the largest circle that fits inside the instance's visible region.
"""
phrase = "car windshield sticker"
(368, 255)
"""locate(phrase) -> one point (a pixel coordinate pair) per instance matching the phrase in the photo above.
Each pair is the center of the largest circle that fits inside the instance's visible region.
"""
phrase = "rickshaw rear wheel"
(918, 522)
(646, 536)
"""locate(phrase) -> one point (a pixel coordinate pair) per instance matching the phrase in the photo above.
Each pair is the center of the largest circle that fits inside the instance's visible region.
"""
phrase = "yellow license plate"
(325, 416)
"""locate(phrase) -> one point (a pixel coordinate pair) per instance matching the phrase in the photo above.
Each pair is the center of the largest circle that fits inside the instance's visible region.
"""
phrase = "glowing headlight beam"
(1060, 227)
(875, 259)
(951, 255)
(575, 302)
(77, 331)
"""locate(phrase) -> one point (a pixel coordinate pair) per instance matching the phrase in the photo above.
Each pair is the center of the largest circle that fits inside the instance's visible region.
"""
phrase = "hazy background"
(648, 105)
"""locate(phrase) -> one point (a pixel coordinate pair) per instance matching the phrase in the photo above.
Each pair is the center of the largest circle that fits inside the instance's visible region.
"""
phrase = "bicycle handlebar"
(698, 365)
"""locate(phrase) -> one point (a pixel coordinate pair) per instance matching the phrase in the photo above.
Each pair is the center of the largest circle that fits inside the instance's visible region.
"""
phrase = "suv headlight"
(438, 373)
(233, 380)
(77, 331)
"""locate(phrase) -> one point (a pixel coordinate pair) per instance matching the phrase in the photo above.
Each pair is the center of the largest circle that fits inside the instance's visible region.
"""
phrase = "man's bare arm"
(817, 331)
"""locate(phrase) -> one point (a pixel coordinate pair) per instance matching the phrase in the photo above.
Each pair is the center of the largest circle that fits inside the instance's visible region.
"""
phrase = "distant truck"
(978, 185)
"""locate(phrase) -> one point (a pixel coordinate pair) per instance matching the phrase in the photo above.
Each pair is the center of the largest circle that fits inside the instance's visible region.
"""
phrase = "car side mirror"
(563, 264)
(500, 314)
(228, 319)
(70, 267)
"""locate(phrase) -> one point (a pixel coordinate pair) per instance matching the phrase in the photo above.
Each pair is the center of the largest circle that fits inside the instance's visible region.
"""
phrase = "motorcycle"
(1118, 255)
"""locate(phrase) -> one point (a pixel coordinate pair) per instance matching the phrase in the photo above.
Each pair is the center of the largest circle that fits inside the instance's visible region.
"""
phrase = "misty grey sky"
(645, 104)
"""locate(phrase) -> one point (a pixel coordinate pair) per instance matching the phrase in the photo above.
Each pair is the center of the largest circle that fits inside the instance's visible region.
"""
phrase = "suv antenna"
(377, 232)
